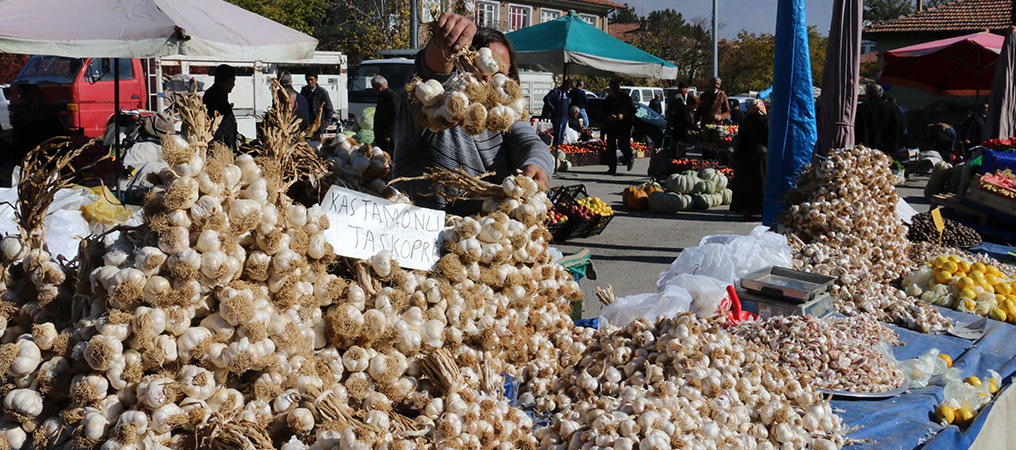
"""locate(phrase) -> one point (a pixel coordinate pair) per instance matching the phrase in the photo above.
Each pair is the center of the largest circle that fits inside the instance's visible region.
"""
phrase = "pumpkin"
(635, 198)
(728, 196)
(667, 202)
(652, 187)
(702, 187)
(707, 174)
(699, 201)
(681, 184)
(715, 200)
(721, 182)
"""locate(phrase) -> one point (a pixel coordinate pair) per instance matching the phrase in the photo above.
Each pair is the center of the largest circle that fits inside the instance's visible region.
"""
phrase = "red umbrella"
(959, 66)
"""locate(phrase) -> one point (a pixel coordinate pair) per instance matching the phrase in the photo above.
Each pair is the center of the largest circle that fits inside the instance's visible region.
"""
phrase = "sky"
(756, 16)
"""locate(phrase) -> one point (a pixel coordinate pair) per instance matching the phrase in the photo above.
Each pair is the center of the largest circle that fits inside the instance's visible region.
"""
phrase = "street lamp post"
(716, 59)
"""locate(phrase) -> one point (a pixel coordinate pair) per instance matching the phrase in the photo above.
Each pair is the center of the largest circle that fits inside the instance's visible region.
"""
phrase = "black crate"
(560, 231)
(600, 224)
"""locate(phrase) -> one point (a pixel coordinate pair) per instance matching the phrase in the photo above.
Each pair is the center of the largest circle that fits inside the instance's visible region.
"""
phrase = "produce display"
(580, 212)
(924, 253)
(1002, 183)
(226, 321)
(684, 382)
(556, 216)
(964, 399)
(683, 164)
(1000, 144)
(597, 146)
(836, 353)
(636, 198)
(954, 235)
(842, 222)
(471, 103)
(720, 134)
(704, 189)
(964, 286)
(597, 206)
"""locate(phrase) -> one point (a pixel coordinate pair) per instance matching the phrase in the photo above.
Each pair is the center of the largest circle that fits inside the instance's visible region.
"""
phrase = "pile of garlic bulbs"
(837, 353)
(359, 167)
(685, 383)
(226, 320)
(477, 98)
(842, 222)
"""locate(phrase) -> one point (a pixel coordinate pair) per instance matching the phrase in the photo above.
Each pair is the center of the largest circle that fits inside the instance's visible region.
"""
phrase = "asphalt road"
(637, 246)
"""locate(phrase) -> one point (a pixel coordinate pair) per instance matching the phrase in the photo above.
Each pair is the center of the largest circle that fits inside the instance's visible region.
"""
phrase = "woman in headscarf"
(750, 162)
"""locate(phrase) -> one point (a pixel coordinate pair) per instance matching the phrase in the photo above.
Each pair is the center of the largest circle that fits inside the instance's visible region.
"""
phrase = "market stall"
(979, 192)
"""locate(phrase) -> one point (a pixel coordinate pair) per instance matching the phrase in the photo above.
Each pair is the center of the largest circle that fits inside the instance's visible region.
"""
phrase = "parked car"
(649, 127)
(5, 101)
(742, 101)
(645, 94)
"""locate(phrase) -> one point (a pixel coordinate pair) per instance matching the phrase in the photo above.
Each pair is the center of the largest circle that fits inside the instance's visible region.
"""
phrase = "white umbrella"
(145, 29)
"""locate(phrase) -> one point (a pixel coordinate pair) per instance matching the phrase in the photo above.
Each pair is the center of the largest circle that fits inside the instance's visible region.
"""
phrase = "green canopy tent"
(569, 45)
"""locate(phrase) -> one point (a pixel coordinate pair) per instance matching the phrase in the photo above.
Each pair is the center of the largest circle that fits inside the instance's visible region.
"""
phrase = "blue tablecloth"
(905, 421)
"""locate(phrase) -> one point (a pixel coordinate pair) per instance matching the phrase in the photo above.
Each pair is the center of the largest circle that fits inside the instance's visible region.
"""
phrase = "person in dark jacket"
(750, 162)
(302, 108)
(878, 124)
(973, 128)
(736, 115)
(941, 137)
(577, 97)
(713, 105)
(319, 101)
(656, 104)
(216, 99)
(682, 118)
(620, 113)
(386, 115)
(557, 99)
(33, 120)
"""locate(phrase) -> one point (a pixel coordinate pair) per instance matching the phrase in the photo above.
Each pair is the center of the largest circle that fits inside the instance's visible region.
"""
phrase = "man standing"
(973, 129)
(386, 114)
(302, 109)
(713, 106)
(620, 112)
(319, 101)
(557, 100)
(656, 104)
(878, 123)
(216, 99)
(736, 115)
(577, 97)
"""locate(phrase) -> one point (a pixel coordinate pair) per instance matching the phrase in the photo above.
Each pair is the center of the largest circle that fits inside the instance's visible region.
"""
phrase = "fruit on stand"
(683, 164)
(580, 212)
(556, 216)
(964, 399)
(972, 287)
(841, 221)
(597, 206)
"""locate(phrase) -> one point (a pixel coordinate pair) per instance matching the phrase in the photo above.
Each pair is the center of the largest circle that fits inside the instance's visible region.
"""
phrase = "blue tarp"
(905, 421)
(792, 127)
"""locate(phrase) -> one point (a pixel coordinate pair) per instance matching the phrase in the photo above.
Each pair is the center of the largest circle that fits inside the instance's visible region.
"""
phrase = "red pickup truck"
(80, 90)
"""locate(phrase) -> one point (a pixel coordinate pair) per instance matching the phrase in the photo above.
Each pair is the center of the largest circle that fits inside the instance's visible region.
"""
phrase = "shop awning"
(569, 45)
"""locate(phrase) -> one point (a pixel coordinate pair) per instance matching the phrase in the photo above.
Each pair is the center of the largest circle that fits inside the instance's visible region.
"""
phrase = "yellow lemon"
(997, 314)
(1003, 288)
(964, 266)
(950, 267)
(942, 277)
(992, 386)
(991, 279)
(977, 275)
(986, 287)
(978, 266)
(993, 270)
(972, 380)
(966, 282)
(953, 258)
(963, 415)
(946, 413)
(967, 293)
(939, 260)
(947, 358)
(1009, 306)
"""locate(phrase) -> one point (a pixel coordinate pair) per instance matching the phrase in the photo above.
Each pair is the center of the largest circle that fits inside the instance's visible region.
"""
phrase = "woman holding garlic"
(473, 119)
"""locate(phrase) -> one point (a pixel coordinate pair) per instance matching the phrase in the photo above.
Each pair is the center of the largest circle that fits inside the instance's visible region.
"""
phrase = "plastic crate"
(560, 231)
(600, 224)
(994, 161)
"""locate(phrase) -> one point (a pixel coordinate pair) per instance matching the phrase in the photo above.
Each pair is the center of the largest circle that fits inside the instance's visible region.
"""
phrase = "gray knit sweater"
(418, 149)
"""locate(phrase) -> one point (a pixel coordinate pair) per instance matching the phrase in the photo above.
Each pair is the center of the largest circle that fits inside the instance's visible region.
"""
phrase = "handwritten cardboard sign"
(362, 225)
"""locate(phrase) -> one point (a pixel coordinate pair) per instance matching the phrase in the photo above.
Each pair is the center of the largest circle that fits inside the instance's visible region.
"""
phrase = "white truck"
(398, 72)
(251, 96)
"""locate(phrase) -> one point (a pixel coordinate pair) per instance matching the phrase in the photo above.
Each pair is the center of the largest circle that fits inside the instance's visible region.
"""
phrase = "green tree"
(623, 15)
(361, 28)
(746, 64)
(817, 47)
(668, 35)
(302, 15)
(876, 11)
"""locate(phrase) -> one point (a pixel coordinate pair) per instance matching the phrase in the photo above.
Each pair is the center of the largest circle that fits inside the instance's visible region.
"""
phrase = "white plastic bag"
(711, 260)
(64, 230)
(668, 302)
(706, 292)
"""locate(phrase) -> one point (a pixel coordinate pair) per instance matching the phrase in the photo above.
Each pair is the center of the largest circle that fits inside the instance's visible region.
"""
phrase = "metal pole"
(116, 125)
(414, 23)
(716, 59)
